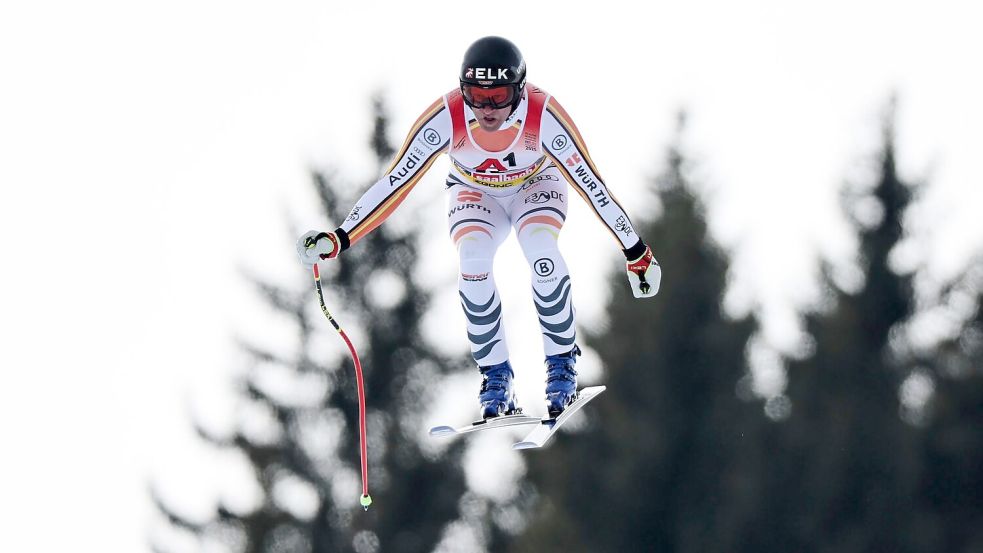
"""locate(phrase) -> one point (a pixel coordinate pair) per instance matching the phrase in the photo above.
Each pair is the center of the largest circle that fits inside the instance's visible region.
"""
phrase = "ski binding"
(548, 425)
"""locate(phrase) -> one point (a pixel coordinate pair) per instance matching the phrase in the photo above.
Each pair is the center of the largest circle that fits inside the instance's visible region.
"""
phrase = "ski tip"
(525, 445)
(442, 431)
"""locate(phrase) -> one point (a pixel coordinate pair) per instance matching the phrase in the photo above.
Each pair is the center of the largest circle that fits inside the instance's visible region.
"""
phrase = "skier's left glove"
(314, 246)
(644, 275)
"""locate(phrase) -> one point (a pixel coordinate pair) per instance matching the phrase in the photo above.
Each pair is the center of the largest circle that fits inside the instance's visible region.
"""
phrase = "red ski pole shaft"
(366, 499)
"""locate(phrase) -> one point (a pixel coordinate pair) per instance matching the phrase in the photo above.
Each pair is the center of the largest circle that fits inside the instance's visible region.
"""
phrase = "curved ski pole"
(366, 499)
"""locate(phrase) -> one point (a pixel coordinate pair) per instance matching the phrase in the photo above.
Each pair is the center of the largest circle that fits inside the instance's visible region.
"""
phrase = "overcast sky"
(148, 150)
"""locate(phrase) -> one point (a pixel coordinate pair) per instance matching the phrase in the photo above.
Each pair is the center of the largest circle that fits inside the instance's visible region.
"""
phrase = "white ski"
(548, 426)
(497, 422)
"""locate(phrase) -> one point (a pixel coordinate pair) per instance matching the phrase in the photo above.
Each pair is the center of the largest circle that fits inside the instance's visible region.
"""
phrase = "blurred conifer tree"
(653, 470)
(843, 476)
(672, 461)
(949, 492)
(307, 409)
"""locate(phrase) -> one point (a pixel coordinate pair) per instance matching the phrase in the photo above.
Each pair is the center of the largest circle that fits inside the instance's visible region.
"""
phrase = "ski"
(548, 426)
(497, 422)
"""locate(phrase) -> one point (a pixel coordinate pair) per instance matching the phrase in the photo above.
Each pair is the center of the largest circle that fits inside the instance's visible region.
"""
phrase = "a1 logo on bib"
(544, 266)
(491, 165)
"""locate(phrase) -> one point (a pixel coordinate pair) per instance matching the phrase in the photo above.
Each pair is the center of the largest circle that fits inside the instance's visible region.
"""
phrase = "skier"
(513, 150)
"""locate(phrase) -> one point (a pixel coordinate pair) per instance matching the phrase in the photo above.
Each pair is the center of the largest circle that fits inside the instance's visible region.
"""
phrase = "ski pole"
(366, 499)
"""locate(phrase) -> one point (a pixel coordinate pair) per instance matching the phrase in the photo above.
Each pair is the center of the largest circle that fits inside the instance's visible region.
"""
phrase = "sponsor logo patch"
(591, 185)
(544, 266)
(490, 164)
(543, 197)
(538, 179)
(494, 177)
(621, 225)
(468, 196)
(431, 136)
(463, 207)
(411, 162)
(486, 73)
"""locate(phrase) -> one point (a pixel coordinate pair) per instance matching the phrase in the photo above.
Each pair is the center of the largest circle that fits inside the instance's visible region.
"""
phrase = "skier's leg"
(538, 214)
(478, 225)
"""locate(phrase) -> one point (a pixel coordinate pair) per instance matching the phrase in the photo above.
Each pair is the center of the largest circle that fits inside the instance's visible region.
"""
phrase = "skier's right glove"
(314, 246)
(644, 275)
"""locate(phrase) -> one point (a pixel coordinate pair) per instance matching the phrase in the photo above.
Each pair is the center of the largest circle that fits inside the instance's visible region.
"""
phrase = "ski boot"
(561, 381)
(496, 395)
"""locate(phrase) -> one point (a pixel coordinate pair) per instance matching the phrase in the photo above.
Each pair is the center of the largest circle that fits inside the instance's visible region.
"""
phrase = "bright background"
(149, 150)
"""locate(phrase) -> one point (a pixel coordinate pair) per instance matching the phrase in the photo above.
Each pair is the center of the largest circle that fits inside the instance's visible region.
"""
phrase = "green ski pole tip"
(365, 500)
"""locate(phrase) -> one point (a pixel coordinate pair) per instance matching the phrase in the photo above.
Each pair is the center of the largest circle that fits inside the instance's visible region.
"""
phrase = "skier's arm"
(564, 144)
(427, 139)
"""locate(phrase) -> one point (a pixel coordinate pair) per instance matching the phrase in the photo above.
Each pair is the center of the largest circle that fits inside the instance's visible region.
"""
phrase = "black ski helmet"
(493, 61)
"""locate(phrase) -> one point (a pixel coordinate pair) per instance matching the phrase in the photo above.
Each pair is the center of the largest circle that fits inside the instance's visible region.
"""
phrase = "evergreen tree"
(312, 445)
(842, 479)
(654, 469)
(950, 481)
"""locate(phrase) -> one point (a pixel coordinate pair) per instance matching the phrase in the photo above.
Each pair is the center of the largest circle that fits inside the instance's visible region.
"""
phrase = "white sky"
(149, 149)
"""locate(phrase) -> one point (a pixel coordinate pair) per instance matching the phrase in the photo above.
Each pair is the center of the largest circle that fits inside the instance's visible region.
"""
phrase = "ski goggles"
(496, 97)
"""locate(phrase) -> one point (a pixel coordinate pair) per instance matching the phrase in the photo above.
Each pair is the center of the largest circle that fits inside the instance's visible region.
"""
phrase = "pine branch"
(212, 438)
(276, 296)
(262, 355)
(176, 519)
